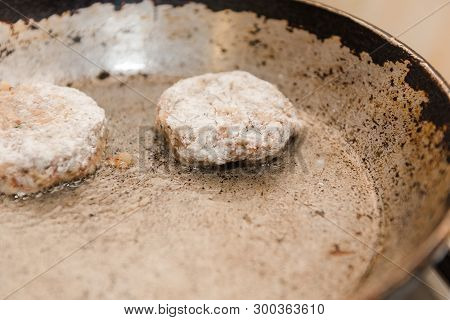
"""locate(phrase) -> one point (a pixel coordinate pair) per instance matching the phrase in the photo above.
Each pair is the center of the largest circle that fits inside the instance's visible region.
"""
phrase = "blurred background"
(430, 38)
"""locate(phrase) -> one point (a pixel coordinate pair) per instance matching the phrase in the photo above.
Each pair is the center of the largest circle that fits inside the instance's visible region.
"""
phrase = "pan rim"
(423, 254)
(424, 251)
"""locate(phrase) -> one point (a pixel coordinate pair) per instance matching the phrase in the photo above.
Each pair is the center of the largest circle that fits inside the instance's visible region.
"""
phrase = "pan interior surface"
(231, 233)
(308, 225)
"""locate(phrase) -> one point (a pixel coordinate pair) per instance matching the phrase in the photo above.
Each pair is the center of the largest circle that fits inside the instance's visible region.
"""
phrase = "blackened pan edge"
(322, 22)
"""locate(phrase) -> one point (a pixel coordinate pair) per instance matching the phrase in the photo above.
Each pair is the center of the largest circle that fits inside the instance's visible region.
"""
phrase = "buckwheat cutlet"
(225, 117)
(48, 134)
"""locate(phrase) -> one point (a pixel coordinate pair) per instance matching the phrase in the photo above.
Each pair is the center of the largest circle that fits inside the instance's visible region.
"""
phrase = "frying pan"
(362, 202)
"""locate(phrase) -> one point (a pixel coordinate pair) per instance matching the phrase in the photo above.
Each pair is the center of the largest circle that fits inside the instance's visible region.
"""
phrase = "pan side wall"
(371, 99)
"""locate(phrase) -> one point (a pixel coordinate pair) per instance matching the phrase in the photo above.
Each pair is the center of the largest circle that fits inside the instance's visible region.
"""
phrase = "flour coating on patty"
(218, 118)
(48, 134)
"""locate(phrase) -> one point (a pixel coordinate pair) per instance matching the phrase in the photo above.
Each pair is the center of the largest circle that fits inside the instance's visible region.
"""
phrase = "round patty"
(48, 134)
(225, 117)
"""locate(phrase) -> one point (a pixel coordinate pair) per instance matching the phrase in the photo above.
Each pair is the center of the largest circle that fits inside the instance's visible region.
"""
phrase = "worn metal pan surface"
(360, 202)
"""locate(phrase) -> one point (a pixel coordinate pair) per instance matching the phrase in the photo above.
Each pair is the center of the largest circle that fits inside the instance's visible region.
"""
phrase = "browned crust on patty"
(41, 180)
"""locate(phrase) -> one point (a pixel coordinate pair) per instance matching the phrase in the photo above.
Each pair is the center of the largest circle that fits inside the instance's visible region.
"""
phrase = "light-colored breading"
(48, 134)
(225, 117)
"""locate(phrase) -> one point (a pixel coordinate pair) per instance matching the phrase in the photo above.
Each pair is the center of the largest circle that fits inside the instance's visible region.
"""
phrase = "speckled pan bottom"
(157, 230)
(282, 231)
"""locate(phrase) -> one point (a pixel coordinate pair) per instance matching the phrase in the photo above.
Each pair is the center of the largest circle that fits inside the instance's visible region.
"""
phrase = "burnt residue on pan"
(321, 22)
(371, 176)
(261, 227)
(325, 24)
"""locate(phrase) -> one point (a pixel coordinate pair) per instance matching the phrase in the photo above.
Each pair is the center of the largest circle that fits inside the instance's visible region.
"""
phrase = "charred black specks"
(103, 75)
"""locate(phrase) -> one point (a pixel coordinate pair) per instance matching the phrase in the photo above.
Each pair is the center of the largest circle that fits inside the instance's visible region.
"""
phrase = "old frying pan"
(362, 201)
